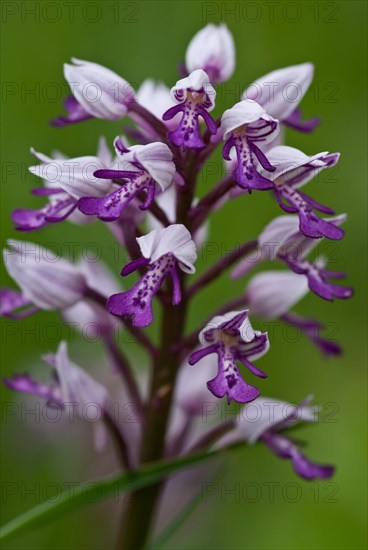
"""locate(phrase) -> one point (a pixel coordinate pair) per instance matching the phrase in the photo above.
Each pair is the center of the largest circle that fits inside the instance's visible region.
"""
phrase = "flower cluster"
(145, 192)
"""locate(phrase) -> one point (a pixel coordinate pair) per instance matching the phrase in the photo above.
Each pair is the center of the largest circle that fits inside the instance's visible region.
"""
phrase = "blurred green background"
(148, 39)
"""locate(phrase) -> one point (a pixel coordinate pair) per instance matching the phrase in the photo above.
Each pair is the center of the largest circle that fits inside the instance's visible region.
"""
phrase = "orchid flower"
(212, 49)
(280, 93)
(73, 387)
(293, 169)
(65, 181)
(140, 167)
(273, 418)
(196, 98)
(98, 92)
(164, 251)
(233, 339)
(244, 127)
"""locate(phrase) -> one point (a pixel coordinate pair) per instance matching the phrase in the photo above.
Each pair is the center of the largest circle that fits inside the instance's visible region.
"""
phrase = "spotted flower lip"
(64, 180)
(272, 418)
(232, 338)
(99, 91)
(141, 167)
(246, 126)
(196, 98)
(212, 49)
(46, 280)
(281, 91)
(164, 251)
(74, 386)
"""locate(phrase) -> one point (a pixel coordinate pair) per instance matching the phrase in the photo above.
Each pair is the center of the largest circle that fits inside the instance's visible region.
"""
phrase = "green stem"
(141, 510)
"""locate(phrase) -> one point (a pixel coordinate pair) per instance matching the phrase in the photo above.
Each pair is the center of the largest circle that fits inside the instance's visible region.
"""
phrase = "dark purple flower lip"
(295, 121)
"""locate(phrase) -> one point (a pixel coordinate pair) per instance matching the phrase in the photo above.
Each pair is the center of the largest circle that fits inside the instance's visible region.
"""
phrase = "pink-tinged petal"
(175, 240)
(48, 281)
(271, 294)
(212, 49)
(281, 91)
(100, 91)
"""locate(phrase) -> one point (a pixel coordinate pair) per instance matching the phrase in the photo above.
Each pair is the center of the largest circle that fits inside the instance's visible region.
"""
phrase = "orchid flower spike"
(280, 93)
(212, 49)
(140, 168)
(73, 387)
(245, 127)
(272, 418)
(65, 181)
(98, 92)
(195, 97)
(164, 251)
(233, 339)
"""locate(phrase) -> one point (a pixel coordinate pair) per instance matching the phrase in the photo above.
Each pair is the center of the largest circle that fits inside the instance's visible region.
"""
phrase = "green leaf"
(101, 489)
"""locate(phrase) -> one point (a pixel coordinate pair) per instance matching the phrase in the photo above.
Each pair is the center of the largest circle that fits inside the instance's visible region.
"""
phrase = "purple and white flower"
(233, 339)
(272, 418)
(141, 168)
(65, 181)
(164, 251)
(272, 294)
(46, 280)
(196, 98)
(246, 127)
(283, 240)
(98, 92)
(212, 49)
(293, 169)
(73, 388)
(280, 93)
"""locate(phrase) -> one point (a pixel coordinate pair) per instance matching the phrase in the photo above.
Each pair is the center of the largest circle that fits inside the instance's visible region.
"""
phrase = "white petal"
(271, 294)
(281, 91)
(76, 385)
(155, 96)
(75, 176)
(156, 159)
(264, 412)
(175, 239)
(100, 91)
(244, 112)
(49, 281)
(99, 277)
(196, 81)
(247, 333)
(212, 49)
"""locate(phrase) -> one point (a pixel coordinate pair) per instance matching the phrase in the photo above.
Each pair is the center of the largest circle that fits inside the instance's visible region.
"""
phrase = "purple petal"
(294, 120)
(75, 111)
(25, 384)
(12, 300)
